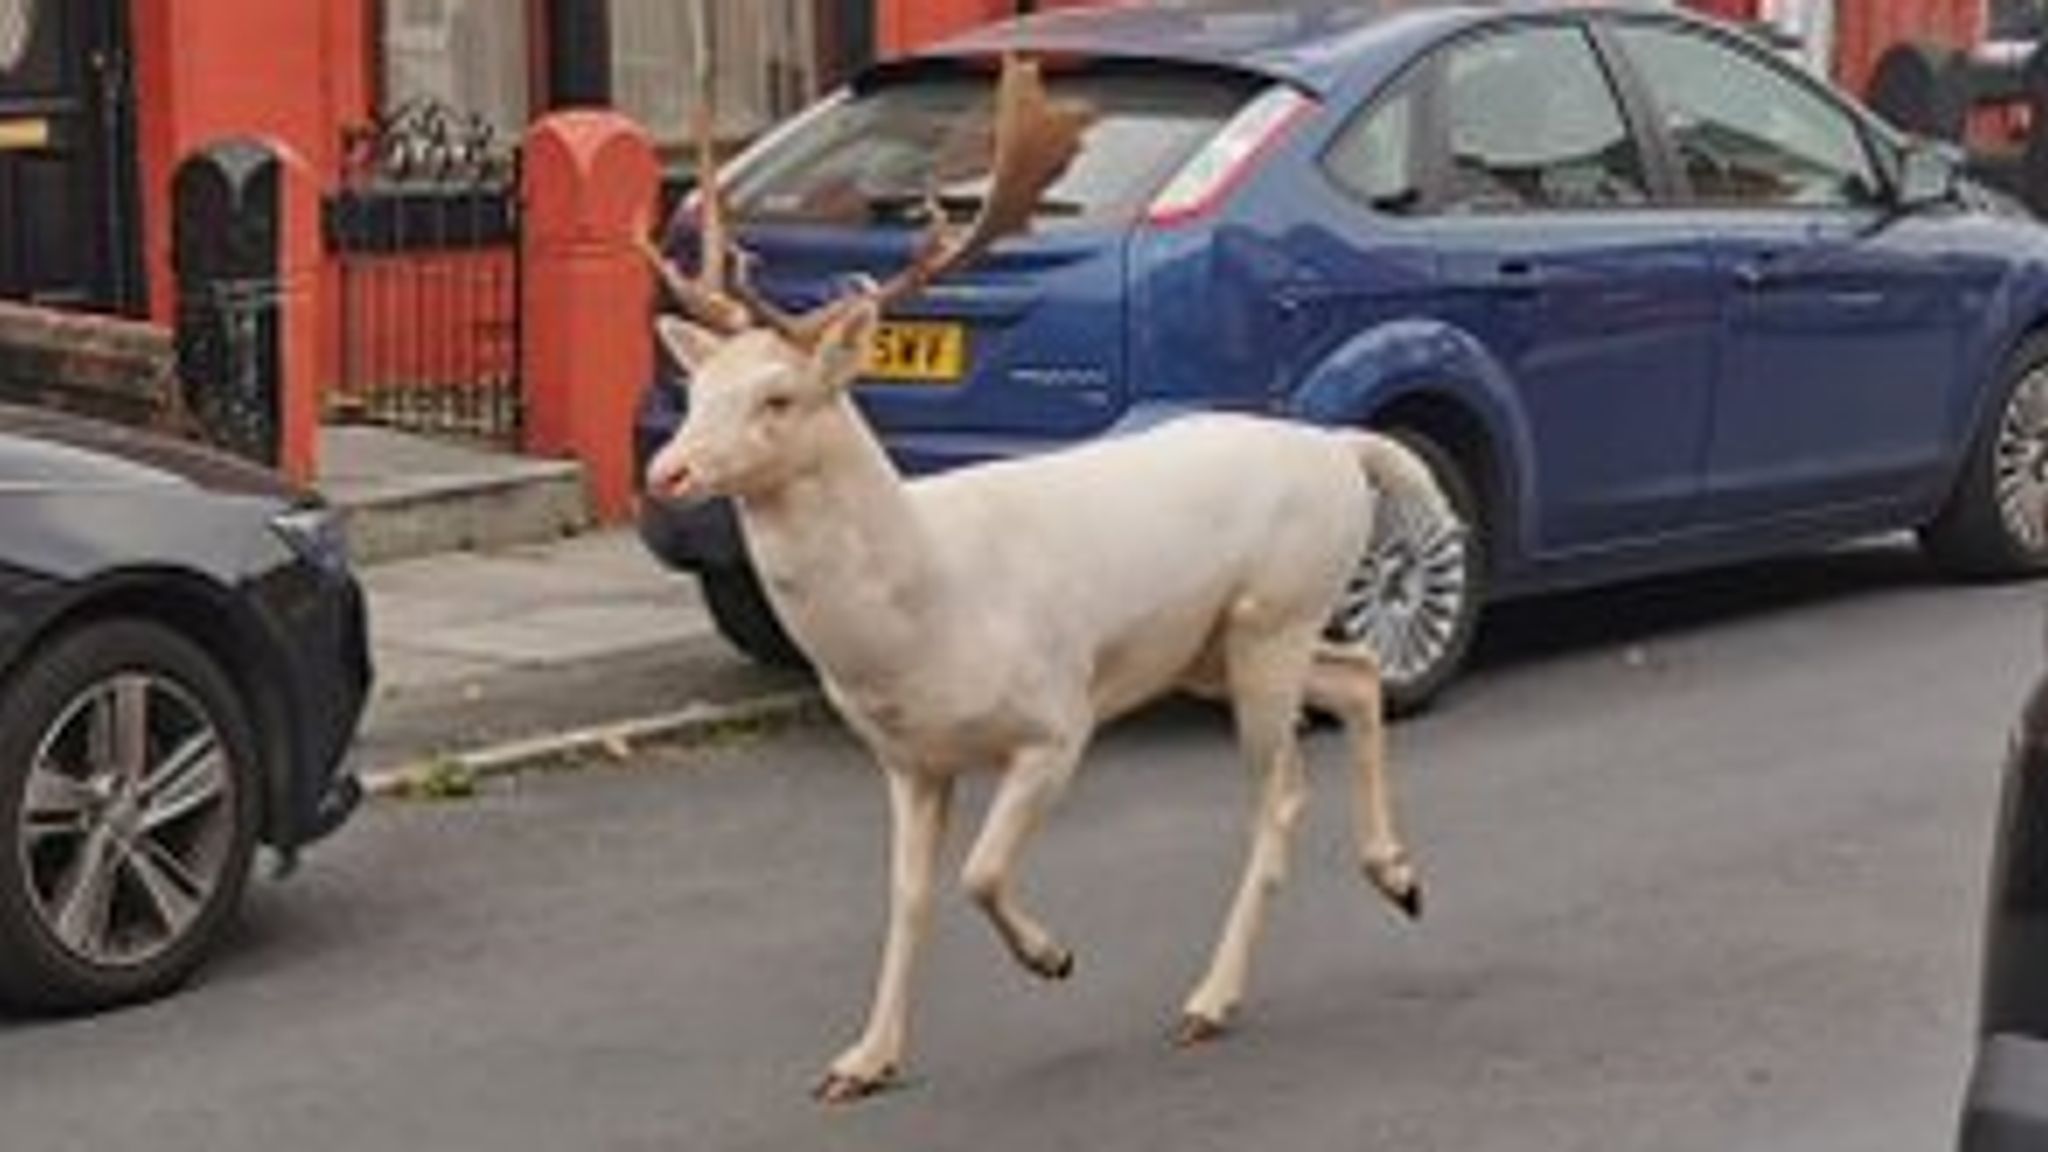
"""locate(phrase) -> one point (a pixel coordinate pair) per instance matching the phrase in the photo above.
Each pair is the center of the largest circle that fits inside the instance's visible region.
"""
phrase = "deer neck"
(841, 551)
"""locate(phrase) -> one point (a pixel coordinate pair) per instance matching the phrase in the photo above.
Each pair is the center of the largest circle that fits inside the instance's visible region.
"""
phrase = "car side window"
(1376, 157)
(1532, 123)
(1745, 131)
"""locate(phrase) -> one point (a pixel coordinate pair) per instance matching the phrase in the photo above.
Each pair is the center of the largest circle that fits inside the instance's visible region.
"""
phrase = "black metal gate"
(426, 231)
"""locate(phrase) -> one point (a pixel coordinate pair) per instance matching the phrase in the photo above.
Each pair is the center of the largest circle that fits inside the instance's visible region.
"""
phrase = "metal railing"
(426, 232)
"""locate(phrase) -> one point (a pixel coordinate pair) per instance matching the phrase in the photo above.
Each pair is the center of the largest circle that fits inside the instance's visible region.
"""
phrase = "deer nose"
(668, 474)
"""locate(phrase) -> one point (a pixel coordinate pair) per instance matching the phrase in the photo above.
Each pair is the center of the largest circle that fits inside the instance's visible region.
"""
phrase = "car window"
(1376, 157)
(1532, 122)
(1745, 131)
(870, 159)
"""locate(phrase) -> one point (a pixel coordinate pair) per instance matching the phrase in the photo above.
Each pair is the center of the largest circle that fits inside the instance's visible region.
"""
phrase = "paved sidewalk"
(475, 649)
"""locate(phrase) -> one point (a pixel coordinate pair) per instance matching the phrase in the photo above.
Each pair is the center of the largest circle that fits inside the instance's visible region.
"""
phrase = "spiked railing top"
(1036, 140)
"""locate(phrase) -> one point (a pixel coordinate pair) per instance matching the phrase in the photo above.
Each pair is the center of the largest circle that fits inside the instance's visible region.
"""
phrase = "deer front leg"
(1033, 780)
(918, 807)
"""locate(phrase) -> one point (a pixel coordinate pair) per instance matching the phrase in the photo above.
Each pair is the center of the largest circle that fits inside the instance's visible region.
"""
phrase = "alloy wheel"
(128, 825)
(2020, 463)
(1408, 599)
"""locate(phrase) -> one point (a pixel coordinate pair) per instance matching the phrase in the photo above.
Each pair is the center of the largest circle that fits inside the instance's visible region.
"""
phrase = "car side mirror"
(1929, 176)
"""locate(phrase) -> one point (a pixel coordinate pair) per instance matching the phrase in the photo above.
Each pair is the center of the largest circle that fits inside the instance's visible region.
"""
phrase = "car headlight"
(317, 534)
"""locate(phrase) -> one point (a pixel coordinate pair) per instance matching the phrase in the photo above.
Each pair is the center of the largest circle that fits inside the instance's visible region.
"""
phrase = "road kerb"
(698, 724)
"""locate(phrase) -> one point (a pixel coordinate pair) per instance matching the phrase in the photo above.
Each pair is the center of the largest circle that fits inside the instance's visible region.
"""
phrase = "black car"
(2008, 1103)
(183, 661)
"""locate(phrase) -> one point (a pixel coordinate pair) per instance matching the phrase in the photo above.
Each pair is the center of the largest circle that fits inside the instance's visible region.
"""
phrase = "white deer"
(993, 617)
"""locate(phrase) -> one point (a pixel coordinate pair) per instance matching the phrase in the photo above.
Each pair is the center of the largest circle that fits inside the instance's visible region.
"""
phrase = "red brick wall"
(904, 25)
(1864, 28)
(295, 71)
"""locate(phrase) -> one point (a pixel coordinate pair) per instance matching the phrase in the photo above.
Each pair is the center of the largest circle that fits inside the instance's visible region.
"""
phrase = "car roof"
(1308, 43)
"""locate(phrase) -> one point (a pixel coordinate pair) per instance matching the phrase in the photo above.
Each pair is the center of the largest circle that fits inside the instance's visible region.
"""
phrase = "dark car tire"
(1410, 691)
(1995, 525)
(212, 841)
(745, 618)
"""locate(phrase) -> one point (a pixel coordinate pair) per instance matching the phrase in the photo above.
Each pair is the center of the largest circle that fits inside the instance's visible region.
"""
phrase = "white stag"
(995, 616)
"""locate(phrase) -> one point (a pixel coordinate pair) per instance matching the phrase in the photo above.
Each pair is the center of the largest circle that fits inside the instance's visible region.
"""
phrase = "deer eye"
(778, 404)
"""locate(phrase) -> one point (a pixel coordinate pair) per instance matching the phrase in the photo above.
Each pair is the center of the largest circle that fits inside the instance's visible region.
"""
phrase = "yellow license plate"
(907, 352)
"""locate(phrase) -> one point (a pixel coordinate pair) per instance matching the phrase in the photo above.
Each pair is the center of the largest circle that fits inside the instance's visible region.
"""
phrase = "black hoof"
(838, 1088)
(1061, 968)
(1410, 902)
(1195, 1030)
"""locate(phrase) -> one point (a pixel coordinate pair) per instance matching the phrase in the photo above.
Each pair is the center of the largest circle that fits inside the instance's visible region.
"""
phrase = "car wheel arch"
(1457, 428)
(1982, 385)
(1440, 381)
(198, 610)
(2018, 309)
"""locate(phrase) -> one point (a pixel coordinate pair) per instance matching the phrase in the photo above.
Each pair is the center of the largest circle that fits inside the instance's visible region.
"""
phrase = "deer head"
(765, 384)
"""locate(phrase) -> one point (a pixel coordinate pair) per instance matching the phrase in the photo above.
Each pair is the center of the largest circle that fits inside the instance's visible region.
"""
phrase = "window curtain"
(469, 54)
(765, 55)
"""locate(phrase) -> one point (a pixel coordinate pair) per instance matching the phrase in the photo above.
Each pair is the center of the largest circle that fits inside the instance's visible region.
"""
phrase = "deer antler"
(1036, 140)
(706, 298)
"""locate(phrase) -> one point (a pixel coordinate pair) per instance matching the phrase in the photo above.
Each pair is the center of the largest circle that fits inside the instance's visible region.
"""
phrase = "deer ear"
(688, 345)
(843, 348)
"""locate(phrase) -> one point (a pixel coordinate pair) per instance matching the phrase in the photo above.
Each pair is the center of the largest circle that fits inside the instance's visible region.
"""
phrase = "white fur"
(993, 617)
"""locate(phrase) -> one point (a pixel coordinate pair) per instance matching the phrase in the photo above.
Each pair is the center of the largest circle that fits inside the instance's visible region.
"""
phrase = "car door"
(1553, 250)
(1841, 317)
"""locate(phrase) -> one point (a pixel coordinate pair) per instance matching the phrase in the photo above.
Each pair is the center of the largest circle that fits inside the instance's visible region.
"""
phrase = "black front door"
(67, 218)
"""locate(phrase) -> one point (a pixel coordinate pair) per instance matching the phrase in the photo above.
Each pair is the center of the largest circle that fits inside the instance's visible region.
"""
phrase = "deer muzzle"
(668, 475)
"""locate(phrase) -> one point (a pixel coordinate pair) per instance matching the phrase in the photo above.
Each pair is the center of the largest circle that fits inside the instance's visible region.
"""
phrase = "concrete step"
(408, 496)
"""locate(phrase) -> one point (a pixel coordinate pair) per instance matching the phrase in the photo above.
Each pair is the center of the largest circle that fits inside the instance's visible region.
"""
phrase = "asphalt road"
(1705, 860)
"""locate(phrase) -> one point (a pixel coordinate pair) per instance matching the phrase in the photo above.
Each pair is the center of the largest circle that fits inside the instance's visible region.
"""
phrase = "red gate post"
(303, 283)
(591, 185)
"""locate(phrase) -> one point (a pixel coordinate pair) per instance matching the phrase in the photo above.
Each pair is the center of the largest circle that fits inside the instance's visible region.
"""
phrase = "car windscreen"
(871, 156)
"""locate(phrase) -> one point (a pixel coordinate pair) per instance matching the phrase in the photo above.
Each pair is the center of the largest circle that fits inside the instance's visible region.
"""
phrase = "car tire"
(744, 617)
(1417, 570)
(1995, 524)
(128, 771)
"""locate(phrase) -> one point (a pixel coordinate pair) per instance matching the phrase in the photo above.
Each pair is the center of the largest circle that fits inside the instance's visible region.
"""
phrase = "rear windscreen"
(871, 157)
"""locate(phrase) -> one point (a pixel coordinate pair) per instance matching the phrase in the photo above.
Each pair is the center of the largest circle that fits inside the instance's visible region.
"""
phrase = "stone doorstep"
(408, 496)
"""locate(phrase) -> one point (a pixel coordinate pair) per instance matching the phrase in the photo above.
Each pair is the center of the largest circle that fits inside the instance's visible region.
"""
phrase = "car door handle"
(1518, 277)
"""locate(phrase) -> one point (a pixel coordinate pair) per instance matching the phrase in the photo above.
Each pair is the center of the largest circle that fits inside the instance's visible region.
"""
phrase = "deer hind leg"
(1347, 685)
(1266, 673)
(918, 808)
(1030, 784)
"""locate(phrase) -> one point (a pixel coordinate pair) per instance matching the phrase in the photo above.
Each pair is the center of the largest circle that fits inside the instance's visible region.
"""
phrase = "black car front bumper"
(319, 631)
(2007, 1109)
(2008, 1106)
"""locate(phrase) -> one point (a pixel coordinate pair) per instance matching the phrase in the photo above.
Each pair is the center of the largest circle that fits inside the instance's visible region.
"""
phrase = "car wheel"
(745, 618)
(128, 815)
(1415, 600)
(1995, 524)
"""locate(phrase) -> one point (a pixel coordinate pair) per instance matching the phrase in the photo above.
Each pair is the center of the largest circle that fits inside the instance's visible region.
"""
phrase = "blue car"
(1645, 295)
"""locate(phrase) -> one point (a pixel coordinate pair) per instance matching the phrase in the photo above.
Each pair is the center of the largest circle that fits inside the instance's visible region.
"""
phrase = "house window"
(2019, 19)
(765, 54)
(468, 54)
